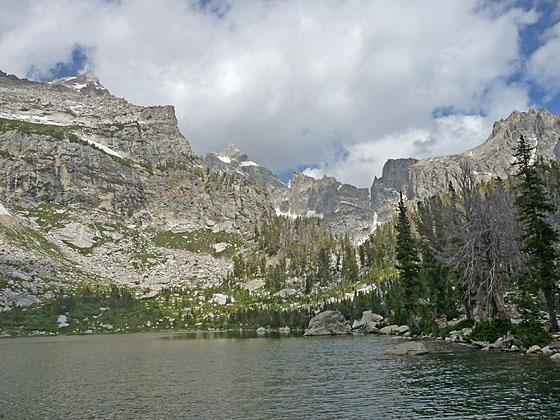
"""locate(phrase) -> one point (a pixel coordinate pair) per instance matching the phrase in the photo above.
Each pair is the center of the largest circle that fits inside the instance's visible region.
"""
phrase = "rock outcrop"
(418, 179)
(233, 162)
(328, 323)
(71, 142)
(368, 322)
(410, 348)
(344, 207)
(93, 187)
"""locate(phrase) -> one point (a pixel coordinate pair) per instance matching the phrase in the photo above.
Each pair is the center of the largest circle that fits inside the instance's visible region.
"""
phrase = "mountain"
(344, 207)
(95, 189)
(71, 142)
(422, 178)
(357, 211)
(235, 163)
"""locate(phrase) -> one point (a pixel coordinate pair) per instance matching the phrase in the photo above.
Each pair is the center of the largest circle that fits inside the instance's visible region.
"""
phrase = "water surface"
(211, 376)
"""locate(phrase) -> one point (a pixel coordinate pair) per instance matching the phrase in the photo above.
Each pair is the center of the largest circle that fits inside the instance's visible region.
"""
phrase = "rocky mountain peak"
(422, 178)
(86, 82)
(232, 152)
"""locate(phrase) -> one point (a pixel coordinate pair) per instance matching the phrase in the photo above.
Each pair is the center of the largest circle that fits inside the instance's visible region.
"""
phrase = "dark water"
(168, 376)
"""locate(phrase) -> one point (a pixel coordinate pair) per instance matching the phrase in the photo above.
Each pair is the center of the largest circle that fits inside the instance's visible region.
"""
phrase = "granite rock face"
(92, 186)
(418, 179)
(233, 162)
(71, 142)
(344, 207)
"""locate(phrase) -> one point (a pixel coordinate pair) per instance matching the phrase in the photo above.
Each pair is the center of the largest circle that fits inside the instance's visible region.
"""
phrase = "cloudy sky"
(326, 86)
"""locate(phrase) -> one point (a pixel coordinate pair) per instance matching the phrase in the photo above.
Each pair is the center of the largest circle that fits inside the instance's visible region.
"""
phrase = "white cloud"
(293, 82)
(543, 66)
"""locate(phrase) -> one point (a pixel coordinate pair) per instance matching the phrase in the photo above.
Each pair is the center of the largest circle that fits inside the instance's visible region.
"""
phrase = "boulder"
(77, 234)
(286, 293)
(547, 350)
(261, 331)
(328, 323)
(370, 328)
(498, 344)
(410, 348)
(402, 329)
(555, 357)
(376, 318)
(389, 329)
(533, 349)
(220, 247)
(284, 330)
(366, 323)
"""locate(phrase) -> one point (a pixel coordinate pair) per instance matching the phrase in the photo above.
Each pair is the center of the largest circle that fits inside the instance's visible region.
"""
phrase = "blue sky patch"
(71, 67)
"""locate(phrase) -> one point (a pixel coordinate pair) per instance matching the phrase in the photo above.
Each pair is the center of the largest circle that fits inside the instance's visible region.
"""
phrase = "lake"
(223, 376)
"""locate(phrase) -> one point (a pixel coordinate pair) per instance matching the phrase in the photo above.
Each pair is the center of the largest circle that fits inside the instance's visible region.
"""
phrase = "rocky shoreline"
(334, 323)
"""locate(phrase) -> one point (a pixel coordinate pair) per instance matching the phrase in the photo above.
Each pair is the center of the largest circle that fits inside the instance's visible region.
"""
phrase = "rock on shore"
(328, 323)
(410, 348)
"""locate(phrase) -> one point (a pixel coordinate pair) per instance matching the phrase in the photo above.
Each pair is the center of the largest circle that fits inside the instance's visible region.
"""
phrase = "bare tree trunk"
(413, 321)
(549, 298)
(468, 306)
(498, 297)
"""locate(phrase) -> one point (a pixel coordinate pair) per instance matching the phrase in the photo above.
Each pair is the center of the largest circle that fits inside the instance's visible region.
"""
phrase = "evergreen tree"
(407, 260)
(539, 237)
(323, 265)
(349, 265)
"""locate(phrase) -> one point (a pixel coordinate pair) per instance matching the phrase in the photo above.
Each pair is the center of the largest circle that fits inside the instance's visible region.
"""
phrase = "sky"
(331, 87)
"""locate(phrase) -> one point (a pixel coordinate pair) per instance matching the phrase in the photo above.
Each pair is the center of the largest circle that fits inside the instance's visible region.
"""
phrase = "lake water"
(219, 377)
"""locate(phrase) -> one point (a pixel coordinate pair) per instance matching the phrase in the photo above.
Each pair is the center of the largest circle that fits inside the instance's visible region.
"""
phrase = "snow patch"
(224, 159)
(286, 214)
(104, 148)
(62, 321)
(4, 211)
(79, 86)
(349, 204)
(63, 79)
(313, 213)
(248, 163)
(221, 299)
(534, 152)
(38, 119)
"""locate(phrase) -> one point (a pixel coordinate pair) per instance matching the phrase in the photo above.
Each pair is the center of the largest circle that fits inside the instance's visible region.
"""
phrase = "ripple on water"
(153, 376)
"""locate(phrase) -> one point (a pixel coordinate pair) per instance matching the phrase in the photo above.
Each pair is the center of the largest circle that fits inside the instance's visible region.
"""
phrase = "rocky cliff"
(93, 188)
(422, 178)
(71, 142)
(346, 208)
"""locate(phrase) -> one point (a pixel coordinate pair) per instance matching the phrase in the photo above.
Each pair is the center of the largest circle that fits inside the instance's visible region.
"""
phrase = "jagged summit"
(422, 178)
(86, 82)
(234, 162)
(232, 152)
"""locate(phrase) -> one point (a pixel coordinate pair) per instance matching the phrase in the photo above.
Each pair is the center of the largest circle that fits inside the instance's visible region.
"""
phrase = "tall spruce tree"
(539, 237)
(407, 261)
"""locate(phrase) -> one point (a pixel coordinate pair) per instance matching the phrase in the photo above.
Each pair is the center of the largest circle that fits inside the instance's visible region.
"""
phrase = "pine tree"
(539, 237)
(407, 260)
(349, 265)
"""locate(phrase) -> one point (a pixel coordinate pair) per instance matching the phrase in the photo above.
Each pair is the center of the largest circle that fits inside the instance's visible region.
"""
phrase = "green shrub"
(531, 333)
(490, 331)
(429, 327)
(465, 323)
